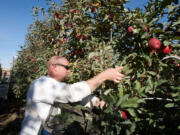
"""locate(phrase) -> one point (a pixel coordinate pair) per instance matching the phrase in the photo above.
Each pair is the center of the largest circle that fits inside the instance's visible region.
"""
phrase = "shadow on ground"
(11, 115)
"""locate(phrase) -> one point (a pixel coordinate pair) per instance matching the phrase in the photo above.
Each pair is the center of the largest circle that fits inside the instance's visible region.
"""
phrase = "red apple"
(63, 41)
(59, 16)
(152, 50)
(84, 37)
(77, 35)
(38, 45)
(130, 29)
(71, 10)
(32, 59)
(143, 76)
(167, 49)
(69, 25)
(124, 115)
(154, 43)
(178, 65)
(76, 11)
(78, 51)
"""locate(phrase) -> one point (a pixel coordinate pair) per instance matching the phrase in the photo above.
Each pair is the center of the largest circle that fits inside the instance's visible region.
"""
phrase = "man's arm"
(111, 74)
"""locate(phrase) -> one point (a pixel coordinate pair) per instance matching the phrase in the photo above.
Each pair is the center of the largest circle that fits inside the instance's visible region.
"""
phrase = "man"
(44, 91)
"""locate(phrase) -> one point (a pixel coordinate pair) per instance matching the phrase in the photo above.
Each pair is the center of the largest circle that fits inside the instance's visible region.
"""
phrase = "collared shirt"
(49, 90)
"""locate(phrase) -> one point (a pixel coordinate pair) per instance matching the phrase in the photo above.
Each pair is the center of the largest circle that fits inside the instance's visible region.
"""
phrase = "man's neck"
(59, 80)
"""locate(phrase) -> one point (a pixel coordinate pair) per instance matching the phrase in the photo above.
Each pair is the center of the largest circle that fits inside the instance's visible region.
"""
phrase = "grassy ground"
(11, 115)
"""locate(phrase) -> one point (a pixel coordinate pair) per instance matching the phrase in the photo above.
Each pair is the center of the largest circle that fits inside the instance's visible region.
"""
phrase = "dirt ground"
(11, 115)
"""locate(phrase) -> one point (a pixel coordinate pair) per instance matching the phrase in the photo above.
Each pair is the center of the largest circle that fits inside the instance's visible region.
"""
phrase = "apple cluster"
(155, 45)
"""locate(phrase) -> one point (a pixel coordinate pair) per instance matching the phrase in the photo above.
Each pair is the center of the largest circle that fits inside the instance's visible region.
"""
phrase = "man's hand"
(111, 74)
(114, 74)
(100, 103)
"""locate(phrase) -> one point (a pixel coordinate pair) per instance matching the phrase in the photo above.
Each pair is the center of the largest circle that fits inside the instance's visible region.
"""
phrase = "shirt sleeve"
(73, 92)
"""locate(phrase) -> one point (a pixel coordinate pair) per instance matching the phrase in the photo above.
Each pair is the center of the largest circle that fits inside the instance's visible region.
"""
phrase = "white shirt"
(48, 90)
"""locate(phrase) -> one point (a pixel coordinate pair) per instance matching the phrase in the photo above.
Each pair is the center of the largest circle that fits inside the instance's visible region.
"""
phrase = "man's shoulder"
(46, 80)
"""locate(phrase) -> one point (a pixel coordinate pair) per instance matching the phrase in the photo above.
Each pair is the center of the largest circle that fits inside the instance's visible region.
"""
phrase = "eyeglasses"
(65, 66)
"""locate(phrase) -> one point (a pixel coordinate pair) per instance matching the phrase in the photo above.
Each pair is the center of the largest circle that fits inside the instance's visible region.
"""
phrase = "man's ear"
(54, 68)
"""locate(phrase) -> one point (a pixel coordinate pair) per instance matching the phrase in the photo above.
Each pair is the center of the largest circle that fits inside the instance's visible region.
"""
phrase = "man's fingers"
(121, 75)
(119, 78)
(102, 104)
(97, 102)
(117, 81)
(119, 68)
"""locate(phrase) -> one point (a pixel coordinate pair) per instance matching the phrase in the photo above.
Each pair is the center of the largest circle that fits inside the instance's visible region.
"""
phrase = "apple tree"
(98, 34)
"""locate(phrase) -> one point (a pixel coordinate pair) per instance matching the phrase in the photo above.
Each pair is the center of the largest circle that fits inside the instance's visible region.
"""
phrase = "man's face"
(62, 69)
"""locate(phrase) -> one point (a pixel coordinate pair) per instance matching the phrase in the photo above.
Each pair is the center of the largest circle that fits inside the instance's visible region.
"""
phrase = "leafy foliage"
(93, 35)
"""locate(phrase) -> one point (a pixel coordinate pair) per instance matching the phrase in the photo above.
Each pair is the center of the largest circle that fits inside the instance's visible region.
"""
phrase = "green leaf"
(122, 99)
(160, 82)
(137, 85)
(113, 98)
(176, 45)
(175, 88)
(120, 90)
(148, 59)
(133, 55)
(132, 112)
(165, 42)
(157, 31)
(108, 108)
(141, 91)
(169, 105)
(149, 83)
(176, 23)
(106, 98)
(176, 38)
(106, 17)
(126, 70)
(106, 92)
(130, 103)
(152, 73)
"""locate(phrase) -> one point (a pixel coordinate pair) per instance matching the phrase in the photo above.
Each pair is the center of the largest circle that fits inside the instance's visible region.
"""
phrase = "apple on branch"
(130, 29)
(167, 49)
(154, 44)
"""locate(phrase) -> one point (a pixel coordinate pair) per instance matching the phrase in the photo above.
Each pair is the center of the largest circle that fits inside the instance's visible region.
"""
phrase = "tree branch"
(167, 57)
(157, 98)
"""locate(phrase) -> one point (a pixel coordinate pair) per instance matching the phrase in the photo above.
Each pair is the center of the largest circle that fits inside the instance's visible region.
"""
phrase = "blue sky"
(15, 17)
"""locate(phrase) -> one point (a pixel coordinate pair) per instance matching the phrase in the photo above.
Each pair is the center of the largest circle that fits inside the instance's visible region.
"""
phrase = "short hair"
(54, 60)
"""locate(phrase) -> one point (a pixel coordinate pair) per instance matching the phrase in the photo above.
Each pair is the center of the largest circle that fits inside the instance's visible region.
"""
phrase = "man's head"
(58, 68)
